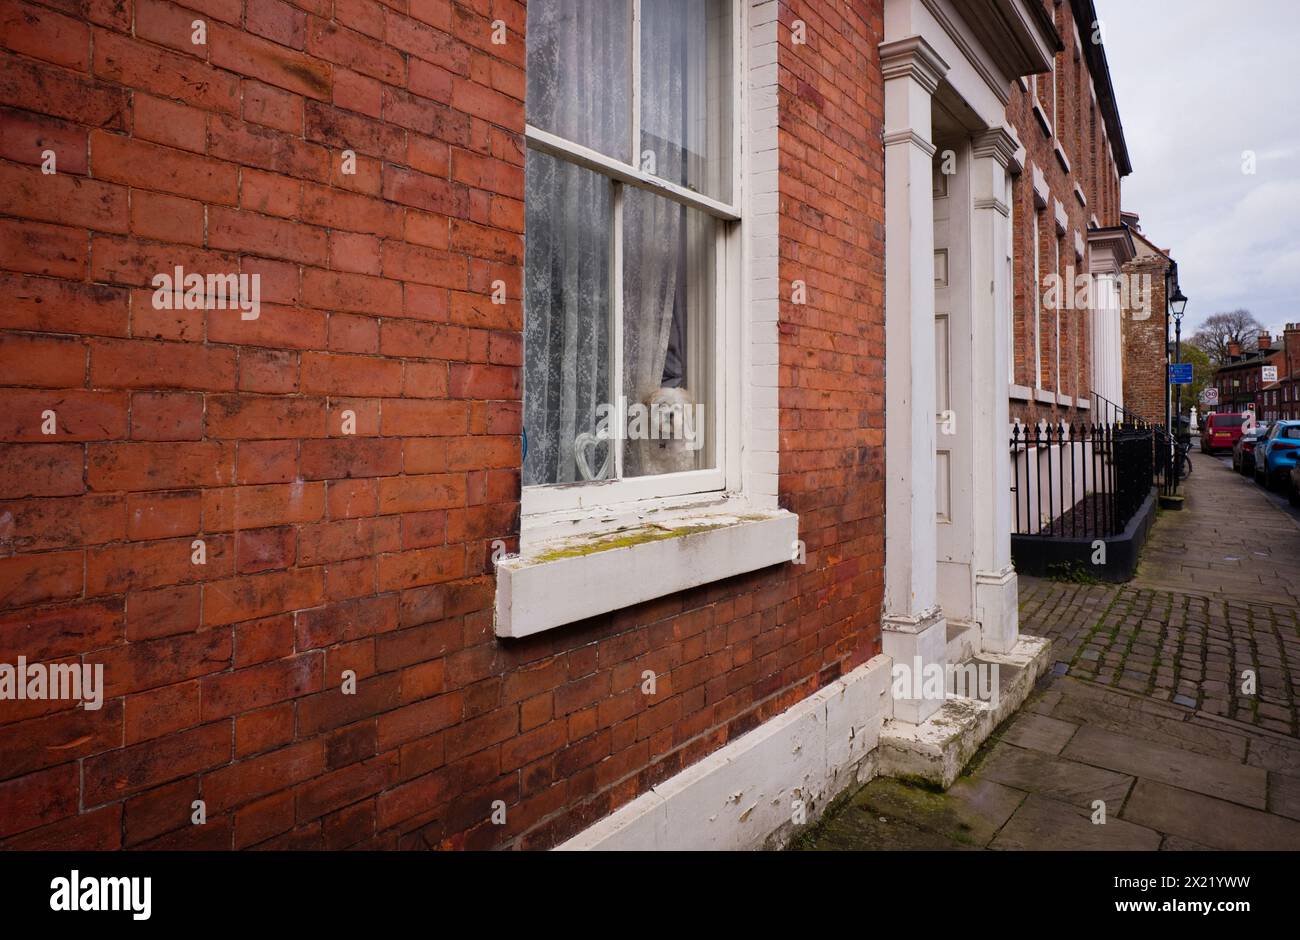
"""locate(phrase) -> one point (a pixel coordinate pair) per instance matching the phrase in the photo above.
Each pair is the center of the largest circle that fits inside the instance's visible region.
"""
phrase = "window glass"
(566, 321)
(686, 93)
(579, 72)
(668, 300)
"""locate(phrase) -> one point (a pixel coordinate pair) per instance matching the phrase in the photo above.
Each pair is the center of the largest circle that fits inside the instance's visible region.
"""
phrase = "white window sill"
(567, 578)
(1044, 396)
(1022, 393)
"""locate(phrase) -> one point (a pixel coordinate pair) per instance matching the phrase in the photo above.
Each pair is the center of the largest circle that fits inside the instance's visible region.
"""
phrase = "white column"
(996, 594)
(913, 627)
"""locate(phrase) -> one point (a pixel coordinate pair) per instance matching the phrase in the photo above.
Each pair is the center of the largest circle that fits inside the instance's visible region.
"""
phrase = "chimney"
(1234, 350)
(1265, 341)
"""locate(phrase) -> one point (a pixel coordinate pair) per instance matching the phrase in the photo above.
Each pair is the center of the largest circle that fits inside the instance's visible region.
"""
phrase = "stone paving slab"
(1220, 778)
(1203, 819)
(1284, 795)
(1065, 781)
(1043, 823)
(1040, 733)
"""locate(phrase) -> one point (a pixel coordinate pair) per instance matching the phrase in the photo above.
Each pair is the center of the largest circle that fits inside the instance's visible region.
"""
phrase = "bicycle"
(1184, 461)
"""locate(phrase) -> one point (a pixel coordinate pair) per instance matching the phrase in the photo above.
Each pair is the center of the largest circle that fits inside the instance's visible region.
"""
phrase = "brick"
(358, 293)
(150, 664)
(260, 641)
(422, 191)
(57, 632)
(432, 45)
(142, 565)
(266, 684)
(272, 63)
(268, 370)
(166, 416)
(355, 51)
(44, 34)
(263, 729)
(352, 212)
(264, 235)
(24, 138)
(271, 194)
(162, 515)
(162, 169)
(266, 417)
(421, 493)
(250, 507)
(168, 123)
(264, 549)
(342, 458)
(96, 831)
(165, 809)
(261, 595)
(266, 462)
(345, 539)
(33, 248)
(62, 94)
(421, 566)
(161, 711)
(166, 218)
(344, 130)
(261, 820)
(25, 415)
(267, 149)
(137, 768)
(39, 799)
(43, 361)
(37, 579)
(355, 92)
(164, 612)
(273, 107)
(65, 198)
(150, 466)
(277, 22)
(346, 621)
(143, 364)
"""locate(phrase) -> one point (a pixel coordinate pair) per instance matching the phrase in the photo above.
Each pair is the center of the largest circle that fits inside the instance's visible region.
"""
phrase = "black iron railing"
(1084, 481)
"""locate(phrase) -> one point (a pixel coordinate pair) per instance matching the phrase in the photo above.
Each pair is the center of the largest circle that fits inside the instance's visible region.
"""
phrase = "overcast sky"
(1198, 82)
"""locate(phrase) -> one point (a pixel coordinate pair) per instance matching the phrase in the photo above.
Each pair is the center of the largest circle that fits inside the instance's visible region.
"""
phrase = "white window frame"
(542, 504)
(1038, 302)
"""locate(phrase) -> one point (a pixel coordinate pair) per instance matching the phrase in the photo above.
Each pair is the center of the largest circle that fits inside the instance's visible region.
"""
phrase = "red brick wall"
(1145, 355)
(1092, 167)
(367, 552)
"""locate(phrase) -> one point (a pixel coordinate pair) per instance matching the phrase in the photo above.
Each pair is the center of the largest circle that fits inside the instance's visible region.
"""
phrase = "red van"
(1222, 431)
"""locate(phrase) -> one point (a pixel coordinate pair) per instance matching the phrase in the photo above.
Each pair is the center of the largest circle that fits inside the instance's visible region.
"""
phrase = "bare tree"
(1235, 326)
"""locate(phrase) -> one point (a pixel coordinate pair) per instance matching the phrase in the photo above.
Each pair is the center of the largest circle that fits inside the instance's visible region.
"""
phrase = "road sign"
(1270, 375)
(1209, 395)
(1180, 373)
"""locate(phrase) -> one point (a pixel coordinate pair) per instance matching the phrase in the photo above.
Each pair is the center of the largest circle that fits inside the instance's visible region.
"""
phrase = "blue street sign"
(1180, 373)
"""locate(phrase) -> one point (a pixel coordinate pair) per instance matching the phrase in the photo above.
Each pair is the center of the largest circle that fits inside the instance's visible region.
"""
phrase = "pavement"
(1169, 720)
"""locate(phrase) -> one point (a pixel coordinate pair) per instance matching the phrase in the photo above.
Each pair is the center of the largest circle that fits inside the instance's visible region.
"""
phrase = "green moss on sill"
(626, 539)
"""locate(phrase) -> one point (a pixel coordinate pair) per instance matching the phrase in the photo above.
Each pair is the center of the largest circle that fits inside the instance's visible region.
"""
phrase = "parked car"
(1294, 494)
(1222, 431)
(1243, 452)
(1276, 453)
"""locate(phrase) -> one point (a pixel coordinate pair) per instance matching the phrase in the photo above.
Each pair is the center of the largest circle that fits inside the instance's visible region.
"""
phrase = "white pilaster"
(996, 594)
(913, 625)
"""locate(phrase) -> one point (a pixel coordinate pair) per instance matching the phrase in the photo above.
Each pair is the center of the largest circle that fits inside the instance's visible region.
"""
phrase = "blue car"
(1276, 453)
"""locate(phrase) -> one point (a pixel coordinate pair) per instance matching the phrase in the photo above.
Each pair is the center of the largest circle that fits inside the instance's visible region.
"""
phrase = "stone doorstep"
(938, 748)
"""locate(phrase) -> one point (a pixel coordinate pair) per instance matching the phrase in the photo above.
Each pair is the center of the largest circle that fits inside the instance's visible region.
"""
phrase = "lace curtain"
(579, 59)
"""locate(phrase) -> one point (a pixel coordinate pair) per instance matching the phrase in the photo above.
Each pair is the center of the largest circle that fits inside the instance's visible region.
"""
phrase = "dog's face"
(670, 408)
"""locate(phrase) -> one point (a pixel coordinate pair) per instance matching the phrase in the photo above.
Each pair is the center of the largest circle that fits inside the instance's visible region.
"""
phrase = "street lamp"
(1178, 304)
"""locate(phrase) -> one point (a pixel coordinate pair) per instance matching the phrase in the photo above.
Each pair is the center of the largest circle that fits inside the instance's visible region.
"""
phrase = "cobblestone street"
(1144, 709)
